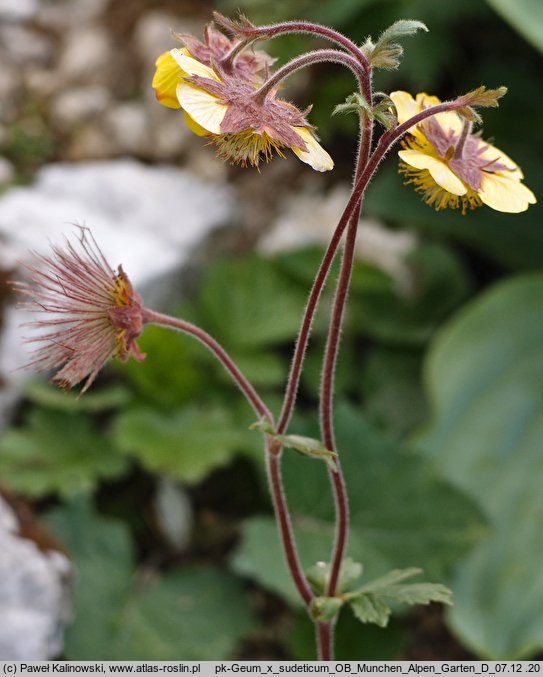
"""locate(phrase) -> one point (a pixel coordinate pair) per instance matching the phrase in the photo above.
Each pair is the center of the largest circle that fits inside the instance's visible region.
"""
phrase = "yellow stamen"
(435, 195)
(246, 147)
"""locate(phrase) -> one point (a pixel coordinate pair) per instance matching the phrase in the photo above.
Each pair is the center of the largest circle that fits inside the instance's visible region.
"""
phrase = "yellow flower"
(167, 76)
(244, 128)
(454, 168)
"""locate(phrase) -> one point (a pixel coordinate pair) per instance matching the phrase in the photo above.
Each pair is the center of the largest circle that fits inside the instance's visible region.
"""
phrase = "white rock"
(18, 10)
(150, 219)
(75, 105)
(34, 590)
(86, 54)
(129, 128)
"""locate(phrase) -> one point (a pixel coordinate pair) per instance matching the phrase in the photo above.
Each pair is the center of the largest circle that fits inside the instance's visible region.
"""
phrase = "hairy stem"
(152, 317)
(308, 59)
(273, 451)
(273, 463)
(286, 27)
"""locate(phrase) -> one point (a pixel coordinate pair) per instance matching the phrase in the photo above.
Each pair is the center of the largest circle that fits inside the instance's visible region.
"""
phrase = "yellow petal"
(406, 106)
(166, 78)
(439, 171)
(193, 66)
(314, 155)
(194, 126)
(505, 194)
(204, 108)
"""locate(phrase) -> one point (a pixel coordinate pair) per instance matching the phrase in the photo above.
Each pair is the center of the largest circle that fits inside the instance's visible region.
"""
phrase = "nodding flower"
(88, 313)
(452, 167)
(225, 107)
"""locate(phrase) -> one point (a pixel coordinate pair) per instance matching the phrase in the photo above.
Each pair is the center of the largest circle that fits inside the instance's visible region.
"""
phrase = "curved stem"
(152, 317)
(286, 27)
(308, 59)
(273, 453)
(273, 461)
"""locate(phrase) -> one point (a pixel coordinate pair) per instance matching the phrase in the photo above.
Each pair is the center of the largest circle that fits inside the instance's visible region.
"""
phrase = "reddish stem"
(309, 59)
(152, 317)
(273, 461)
(273, 454)
(286, 27)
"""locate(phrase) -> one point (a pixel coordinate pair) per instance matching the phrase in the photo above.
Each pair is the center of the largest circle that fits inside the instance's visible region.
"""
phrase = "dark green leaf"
(439, 284)
(354, 641)
(56, 452)
(396, 529)
(247, 304)
(485, 379)
(46, 395)
(186, 445)
(173, 372)
(371, 609)
(526, 16)
(121, 614)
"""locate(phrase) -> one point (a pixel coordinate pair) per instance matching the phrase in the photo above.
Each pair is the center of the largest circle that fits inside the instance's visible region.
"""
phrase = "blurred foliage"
(485, 378)
(122, 612)
(458, 498)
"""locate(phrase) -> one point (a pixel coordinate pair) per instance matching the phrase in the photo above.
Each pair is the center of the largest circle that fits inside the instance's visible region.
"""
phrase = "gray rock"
(150, 219)
(57, 14)
(129, 128)
(18, 10)
(22, 45)
(86, 55)
(76, 105)
(7, 171)
(34, 595)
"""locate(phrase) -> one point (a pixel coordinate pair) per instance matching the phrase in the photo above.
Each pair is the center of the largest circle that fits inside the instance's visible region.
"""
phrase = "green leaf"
(498, 592)
(56, 452)
(308, 446)
(439, 284)
(371, 602)
(324, 609)
(354, 641)
(371, 609)
(260, 306)
(46, 395)
(526, 16)
(172, 359)
(396, 530)
(122, 614)
(186, 444)
(386, 53)
(391, 578)
(485, 380)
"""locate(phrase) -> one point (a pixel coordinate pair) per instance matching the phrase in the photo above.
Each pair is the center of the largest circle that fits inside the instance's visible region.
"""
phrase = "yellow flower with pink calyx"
(454, 168)
(248, 65)
(244, 127)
